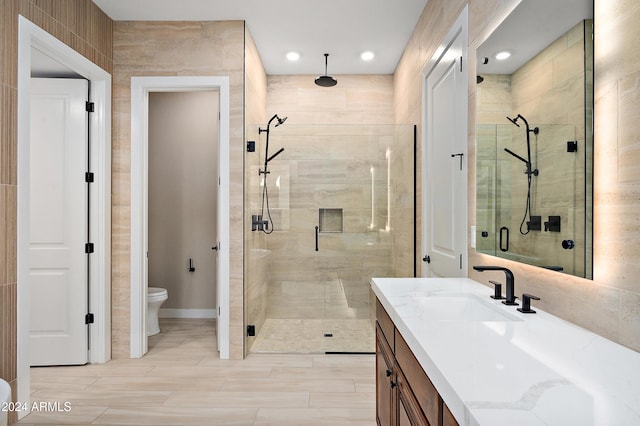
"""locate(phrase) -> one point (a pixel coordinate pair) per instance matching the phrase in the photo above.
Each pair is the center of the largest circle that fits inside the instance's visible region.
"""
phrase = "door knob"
(426, 258)
(214, 248)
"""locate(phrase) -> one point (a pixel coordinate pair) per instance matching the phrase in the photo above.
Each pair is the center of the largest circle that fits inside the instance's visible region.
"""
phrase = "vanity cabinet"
(404, 393)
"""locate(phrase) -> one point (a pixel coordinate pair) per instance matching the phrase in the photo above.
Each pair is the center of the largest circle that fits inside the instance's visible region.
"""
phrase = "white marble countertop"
(525, 369)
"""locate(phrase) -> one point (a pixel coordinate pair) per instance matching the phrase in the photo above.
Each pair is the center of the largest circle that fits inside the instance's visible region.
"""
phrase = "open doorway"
(141, 90)
(34, 41)
(182, 188)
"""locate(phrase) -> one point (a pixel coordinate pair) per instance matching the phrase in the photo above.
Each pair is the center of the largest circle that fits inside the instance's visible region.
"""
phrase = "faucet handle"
(526, 303)
(497, 290)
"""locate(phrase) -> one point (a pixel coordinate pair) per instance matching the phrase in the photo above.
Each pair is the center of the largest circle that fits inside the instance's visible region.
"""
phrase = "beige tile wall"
(174, 48)
(83, 26)
(608, 304)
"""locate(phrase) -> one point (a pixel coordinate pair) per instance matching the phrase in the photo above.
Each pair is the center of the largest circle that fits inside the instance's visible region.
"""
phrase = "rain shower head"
(326, 80)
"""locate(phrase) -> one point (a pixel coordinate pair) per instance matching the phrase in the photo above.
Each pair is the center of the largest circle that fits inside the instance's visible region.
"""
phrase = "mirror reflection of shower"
(266, 225)
(530, 171)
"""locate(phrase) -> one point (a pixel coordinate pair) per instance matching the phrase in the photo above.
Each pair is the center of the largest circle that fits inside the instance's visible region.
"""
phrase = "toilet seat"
(156, 293)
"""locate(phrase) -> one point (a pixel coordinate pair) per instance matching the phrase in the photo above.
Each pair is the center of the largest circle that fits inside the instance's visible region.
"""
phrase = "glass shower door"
(329, 198)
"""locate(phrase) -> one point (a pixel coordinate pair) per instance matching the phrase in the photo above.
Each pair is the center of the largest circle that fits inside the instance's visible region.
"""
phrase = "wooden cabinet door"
(385, 384)
(409, 412)
(448, 419)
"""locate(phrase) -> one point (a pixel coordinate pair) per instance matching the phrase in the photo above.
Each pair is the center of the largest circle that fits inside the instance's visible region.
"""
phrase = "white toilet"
(155, 298)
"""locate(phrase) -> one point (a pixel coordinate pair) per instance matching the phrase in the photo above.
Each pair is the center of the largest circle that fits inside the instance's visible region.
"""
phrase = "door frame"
(140, 88)
(460, 26)
(31, 36)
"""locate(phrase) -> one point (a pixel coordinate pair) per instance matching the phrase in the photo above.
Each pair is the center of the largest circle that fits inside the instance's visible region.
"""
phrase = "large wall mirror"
(535, 137)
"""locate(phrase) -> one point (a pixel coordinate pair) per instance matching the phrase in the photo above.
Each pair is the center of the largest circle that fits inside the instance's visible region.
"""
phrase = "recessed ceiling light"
(293, 56)
(367, 56)
(501, 56)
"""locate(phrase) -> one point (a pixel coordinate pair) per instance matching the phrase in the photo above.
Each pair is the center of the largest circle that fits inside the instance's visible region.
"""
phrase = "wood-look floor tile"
(343, 400)
(290, 385)
(159, 416)
(183, 382)
(95, 370)
(315, 416)
(320, 372)
(78, 415)
(63, 383)
(228, 399)
(217, 372)
(118, 398)
(344, 361)
(156, 384)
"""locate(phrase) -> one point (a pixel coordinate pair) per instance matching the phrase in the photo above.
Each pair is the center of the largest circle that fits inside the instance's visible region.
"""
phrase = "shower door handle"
(504, 243)
(317, 228)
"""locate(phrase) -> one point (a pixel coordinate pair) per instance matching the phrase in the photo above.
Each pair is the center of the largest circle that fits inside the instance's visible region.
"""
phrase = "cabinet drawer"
(425, 392)
(385, 324)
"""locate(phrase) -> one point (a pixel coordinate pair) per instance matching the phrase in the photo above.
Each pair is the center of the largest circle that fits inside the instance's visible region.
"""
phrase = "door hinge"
(88, 248)
(460, 63)
(88, 177)
(88, 319)
(460, 261)
(90, 106)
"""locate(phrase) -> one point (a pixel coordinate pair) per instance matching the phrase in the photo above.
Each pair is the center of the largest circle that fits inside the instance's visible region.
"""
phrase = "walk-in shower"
(341, 198)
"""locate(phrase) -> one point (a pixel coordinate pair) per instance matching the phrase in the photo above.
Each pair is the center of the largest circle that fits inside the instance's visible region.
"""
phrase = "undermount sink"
(462, 307)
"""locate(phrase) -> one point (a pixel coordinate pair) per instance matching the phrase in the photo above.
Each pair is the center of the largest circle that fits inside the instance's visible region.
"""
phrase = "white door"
(445, 164)
(58, 222)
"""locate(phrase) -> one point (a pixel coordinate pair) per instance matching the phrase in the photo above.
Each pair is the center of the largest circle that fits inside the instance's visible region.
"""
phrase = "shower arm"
(535, 131)
(266, 148)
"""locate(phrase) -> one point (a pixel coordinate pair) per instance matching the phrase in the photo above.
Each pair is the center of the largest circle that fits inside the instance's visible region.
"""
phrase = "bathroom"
(611, 297)
(182, 191)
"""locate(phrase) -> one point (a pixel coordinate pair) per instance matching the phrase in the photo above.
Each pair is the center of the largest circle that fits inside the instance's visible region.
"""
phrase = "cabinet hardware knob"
(389, 373)
(393, 384)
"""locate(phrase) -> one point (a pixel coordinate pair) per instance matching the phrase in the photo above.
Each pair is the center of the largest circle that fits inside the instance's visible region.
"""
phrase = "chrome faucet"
(511, 298)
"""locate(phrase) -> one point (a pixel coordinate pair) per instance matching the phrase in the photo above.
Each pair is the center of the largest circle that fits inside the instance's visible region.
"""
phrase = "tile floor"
(308, 336)
(181, 381)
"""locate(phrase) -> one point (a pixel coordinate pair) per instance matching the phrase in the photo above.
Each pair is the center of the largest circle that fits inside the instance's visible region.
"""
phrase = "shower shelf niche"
(330, 220)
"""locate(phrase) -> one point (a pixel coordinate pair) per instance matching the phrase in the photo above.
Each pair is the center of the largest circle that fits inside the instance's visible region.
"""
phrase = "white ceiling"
(531, 27)
(342, 28)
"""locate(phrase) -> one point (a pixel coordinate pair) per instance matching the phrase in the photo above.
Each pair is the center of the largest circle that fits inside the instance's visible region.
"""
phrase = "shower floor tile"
(308, 336)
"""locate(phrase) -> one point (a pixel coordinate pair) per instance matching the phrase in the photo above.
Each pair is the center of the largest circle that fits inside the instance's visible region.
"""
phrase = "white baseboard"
(186, 313)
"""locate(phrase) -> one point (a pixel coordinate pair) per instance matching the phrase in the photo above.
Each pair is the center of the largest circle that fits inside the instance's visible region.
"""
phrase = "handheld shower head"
(280, 121)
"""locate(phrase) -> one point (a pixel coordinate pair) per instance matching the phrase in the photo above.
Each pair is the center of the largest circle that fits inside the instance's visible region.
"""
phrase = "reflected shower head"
(326, 80)
(514, 120)
(280, 121)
